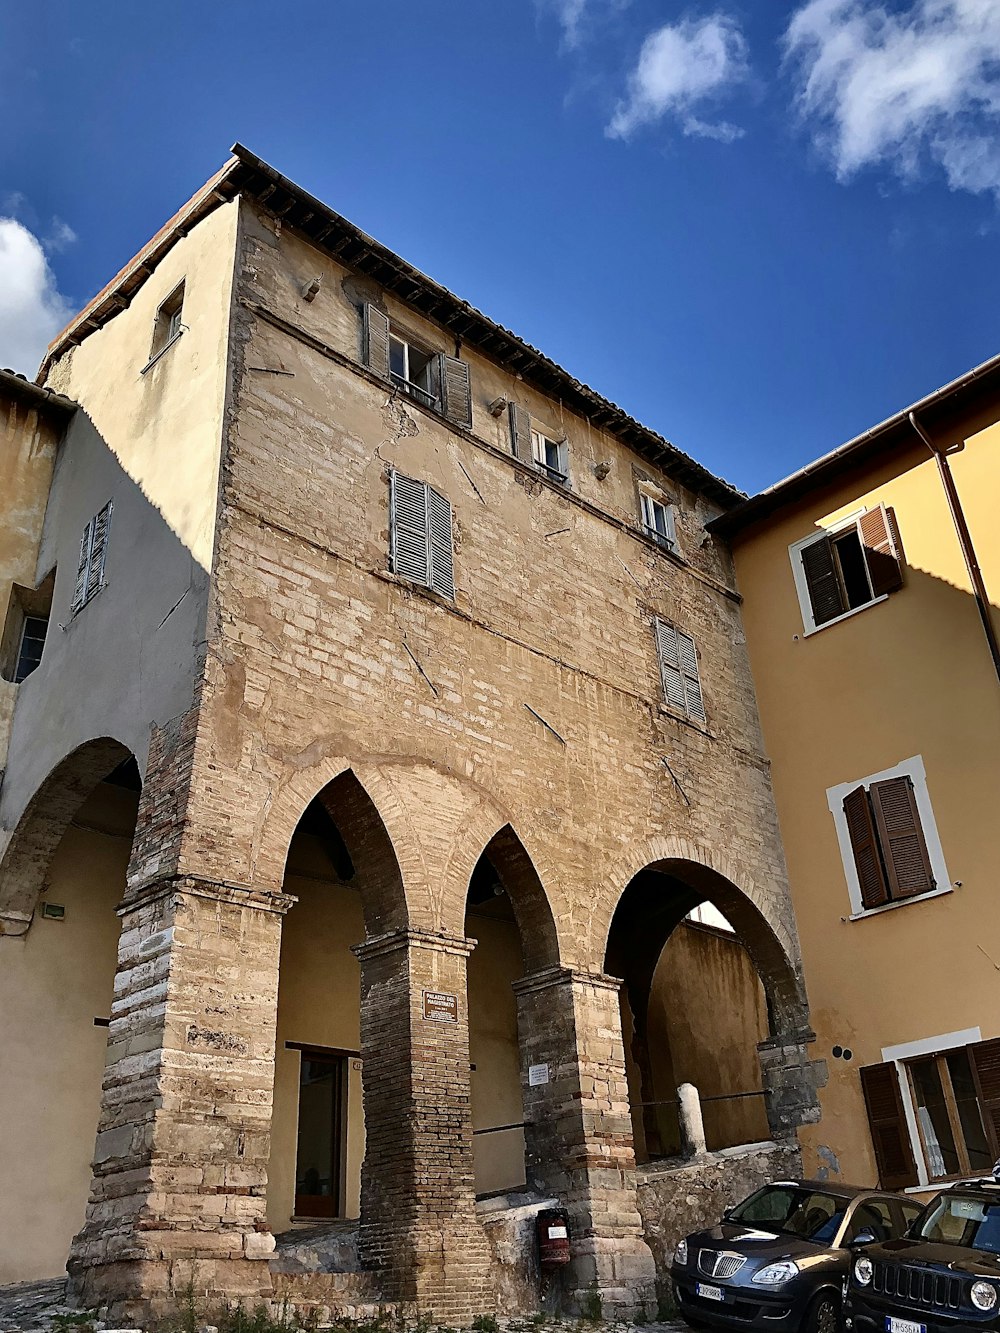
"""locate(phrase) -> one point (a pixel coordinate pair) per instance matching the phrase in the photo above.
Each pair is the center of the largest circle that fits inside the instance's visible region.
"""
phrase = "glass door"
(319, 1159)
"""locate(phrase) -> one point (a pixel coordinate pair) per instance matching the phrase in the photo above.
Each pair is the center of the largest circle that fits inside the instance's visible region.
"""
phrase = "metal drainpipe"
(964, 540)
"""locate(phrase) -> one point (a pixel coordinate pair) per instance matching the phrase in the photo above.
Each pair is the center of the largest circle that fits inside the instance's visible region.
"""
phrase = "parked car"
(779, 1260)
(943, 1276)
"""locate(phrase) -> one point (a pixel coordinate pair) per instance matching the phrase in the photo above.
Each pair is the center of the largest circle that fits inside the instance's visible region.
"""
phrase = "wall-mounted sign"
(440, 1007)
(537, 1075)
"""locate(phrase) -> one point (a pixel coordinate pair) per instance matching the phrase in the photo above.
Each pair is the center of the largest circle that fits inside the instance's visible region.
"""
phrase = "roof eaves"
(20, 386)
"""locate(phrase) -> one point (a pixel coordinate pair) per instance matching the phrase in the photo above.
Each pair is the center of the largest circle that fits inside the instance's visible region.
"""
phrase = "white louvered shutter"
(455, 390)
(679, 670)
(376, 341)
(101, 526)
(442, 573)
(80, 589)
(408, 522)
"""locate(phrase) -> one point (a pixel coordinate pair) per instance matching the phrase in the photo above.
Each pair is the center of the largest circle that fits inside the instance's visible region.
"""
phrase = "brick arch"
(26, 858)
(712, 876)
(523, 886)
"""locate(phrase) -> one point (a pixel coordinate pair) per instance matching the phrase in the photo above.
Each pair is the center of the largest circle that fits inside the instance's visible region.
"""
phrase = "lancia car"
(942, 1277)
(779, 1260)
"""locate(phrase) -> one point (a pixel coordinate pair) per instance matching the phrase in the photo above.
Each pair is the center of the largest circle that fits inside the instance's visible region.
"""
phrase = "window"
(679, 670)
(29, 652)
(935, 1116)
(433, 379)
(888, 838)
(93, 553)
(420, 534)
(535, 444)
(658, 520)
(167, 327)
(854, 564)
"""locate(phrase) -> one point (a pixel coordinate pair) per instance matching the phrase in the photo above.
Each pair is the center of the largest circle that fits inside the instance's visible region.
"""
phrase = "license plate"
(717, 1294)
(903, 1326)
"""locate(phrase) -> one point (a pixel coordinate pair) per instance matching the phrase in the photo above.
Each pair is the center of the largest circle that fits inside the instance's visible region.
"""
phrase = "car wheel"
(824, 1315)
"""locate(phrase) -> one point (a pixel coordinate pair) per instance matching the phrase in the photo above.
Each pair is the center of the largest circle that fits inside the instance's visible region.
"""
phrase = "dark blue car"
(779, 1260)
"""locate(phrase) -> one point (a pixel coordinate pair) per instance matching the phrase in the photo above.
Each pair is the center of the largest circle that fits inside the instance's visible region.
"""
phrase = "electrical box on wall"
(54, 911)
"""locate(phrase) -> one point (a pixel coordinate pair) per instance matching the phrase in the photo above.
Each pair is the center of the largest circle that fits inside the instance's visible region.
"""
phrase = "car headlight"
(774, 1274)
(863, 1271)
(681, 1253)
(984, 1295)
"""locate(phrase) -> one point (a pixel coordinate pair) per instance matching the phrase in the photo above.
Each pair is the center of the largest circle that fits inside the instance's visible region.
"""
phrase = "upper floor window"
(167, 327)
(435, 380)
(93, 554)
(851, 565)
(420, 534)
(678, 659)
(552, 456)
(533, 443)
(658, 521)
(29, 652)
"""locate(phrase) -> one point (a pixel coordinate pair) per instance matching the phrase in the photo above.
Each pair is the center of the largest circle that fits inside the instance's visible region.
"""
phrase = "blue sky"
(759, 227)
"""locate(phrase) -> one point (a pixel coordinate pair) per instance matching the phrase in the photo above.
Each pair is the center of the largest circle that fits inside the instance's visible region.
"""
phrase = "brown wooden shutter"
(520, 432)
(985, 1060)
(881, 551)
(890, 1136)
(375, 341)
(864, 844)
(825, 593)
(904, 850)
(456, 390)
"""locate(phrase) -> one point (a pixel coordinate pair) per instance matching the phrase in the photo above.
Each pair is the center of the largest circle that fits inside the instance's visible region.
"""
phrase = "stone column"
(177, 1200)
(579, 1134)
(419, 1229)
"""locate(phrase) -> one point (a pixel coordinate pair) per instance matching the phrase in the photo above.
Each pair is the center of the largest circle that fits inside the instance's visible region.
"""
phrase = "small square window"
(168, 326)
(658, 521)
(552, 456)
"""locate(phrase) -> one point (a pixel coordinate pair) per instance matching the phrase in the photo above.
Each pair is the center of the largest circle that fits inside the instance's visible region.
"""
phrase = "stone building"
(385, 682)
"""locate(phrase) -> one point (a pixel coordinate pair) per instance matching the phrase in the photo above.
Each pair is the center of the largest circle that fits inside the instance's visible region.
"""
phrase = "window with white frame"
(850, 565)
(168, 325)
(888, 838)
(420, 534)
(551, 456)
(658, 520)
(411, 369)
(543, 447)
(93, 555)
(433, 379)
(678, 658)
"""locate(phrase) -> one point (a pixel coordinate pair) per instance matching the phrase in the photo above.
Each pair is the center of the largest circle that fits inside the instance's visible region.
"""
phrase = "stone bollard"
(691, 1122)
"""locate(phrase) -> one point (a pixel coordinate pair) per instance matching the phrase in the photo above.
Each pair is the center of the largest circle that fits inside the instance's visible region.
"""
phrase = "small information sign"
(440, 1007)
(537, 1075)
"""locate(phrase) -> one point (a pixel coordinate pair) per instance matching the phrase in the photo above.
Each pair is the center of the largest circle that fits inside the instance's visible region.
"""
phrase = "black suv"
(942, 1277)
(779, 1259)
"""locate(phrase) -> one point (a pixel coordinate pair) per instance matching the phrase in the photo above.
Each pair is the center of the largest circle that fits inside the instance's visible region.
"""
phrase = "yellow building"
(871, 580)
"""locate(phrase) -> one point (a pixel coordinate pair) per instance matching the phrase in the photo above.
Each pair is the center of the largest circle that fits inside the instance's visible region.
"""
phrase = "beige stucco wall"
(910, 676)
(54, 982)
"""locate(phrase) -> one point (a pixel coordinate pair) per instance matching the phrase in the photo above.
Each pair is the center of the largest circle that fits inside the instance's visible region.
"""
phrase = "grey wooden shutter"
(408, 527)
(520, 432)
(901, 836)
(375, 341)
(985, 1060)
(98, 552)
(825, 593)
(442, 573)
(80, 588)
(890, 1138)
(679, 670)
(455, 389)
(864, 844)
(878, 542)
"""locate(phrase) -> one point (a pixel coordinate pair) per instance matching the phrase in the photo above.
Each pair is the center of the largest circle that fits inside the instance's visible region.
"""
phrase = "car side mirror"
(866, 1237)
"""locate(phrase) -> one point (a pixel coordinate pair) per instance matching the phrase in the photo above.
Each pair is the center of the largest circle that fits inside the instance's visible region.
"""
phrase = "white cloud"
(903, 88)
(579, 18)
(59, 237)
(681, 67)
(32, 310)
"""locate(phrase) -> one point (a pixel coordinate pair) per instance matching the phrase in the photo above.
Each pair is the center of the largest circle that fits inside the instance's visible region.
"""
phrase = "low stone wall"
(679, 1196)
(509, 1223)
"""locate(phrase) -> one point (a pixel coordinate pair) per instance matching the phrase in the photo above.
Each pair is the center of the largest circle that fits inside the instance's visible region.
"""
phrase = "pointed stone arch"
(523, 886)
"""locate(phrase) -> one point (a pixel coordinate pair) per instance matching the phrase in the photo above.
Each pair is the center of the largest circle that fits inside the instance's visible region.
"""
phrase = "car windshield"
(961, 1219)
(793, 1210)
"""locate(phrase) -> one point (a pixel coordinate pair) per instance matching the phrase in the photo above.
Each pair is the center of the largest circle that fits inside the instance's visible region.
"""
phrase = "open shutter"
(456, 390)
(520, 432)
(881, 551)
(670, 668)
(408, 519)
(904, 850)
(376, 341)
(985, 1060)
(80, 588)
(864, 844)
(688, 655)
(890, 1137)
(825, 593)
(98, 552)
(442, 574)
